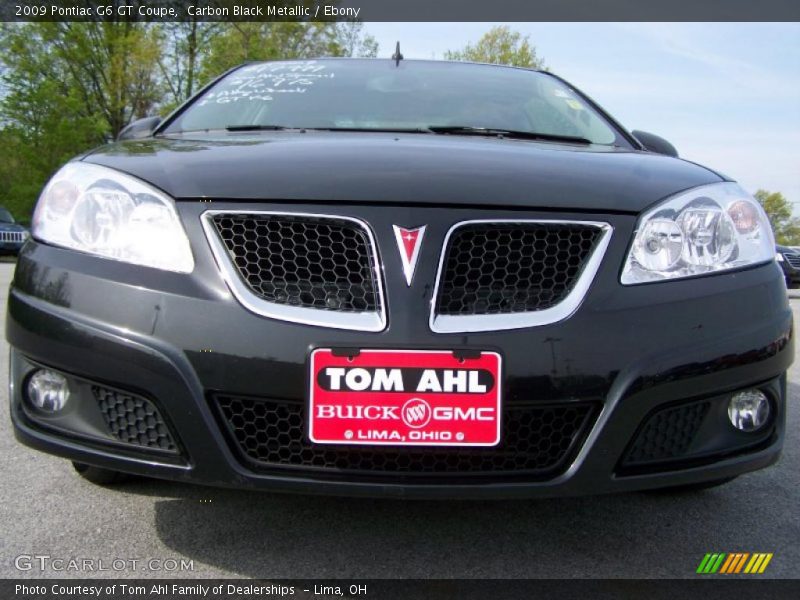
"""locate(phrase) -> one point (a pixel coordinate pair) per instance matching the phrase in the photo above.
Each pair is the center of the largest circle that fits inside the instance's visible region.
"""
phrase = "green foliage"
(354, 42)
(46, 118)
(500, 46)
(183, 46)
(779, 211)
(242, 42)
(67, 87)
(111, 66)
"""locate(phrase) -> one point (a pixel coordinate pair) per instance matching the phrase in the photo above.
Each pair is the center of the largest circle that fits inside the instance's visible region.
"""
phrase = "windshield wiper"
(433, 129)
(508, 133)
(257, 128)
(366, 129)
(374, 129)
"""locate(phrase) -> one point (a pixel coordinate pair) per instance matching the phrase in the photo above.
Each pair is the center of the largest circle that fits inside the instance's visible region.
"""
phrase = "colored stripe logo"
(734, 562)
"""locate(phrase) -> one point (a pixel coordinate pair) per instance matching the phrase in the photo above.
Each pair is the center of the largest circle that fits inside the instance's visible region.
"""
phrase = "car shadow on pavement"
(269, 535)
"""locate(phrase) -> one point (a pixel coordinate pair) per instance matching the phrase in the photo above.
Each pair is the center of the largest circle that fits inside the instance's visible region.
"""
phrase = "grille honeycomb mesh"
(497, 268)
(304, 261)
(668, 434)
(133, 419)
(535, 440)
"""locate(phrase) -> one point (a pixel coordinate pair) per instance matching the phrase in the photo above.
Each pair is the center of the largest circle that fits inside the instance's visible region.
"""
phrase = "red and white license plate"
(404, 398)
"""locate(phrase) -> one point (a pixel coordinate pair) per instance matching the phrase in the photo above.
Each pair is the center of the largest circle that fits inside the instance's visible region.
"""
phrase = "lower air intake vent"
(133, 419)
(538, 442)
(668, 434)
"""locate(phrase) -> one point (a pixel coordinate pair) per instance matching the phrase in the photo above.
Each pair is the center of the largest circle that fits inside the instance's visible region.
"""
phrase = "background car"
(789, 260)
(12, 234)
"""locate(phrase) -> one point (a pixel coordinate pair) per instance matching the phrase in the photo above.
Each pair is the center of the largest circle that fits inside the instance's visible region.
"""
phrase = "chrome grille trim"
(12, 236)
(499, 322)
(371, 321)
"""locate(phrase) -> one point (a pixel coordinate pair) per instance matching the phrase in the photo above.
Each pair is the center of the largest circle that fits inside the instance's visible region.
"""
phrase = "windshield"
(5, 216)
(380, 95)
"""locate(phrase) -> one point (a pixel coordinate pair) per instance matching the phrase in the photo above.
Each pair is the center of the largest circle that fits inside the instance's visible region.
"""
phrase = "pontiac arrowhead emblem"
(409, 242)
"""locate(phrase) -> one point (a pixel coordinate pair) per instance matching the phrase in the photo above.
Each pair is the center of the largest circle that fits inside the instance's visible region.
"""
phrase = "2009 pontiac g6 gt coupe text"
(407, 278)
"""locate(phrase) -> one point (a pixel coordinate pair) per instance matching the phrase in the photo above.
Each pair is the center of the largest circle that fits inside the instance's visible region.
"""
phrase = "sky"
(727, 95)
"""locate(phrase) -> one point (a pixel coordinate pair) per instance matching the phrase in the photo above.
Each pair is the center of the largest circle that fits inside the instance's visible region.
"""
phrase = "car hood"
(403, 168)
(11, 227)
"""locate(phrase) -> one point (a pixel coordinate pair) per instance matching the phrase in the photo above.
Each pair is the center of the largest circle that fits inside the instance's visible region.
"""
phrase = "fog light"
(749, 410)
(48, 390)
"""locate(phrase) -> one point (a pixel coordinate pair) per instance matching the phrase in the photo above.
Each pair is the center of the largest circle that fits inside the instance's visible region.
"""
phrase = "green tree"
(241, 42)
(114, 66)
(354, 42)
(68, 87)
(111, 67)
(500, 45)
(779, 212)
(184, 46)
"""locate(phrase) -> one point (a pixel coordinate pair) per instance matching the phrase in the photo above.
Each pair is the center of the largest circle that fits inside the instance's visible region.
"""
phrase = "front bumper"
(183, 339)
(11, 247)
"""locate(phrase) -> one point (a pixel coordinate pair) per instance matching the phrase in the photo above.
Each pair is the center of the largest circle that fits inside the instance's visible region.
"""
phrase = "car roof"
(404, 60)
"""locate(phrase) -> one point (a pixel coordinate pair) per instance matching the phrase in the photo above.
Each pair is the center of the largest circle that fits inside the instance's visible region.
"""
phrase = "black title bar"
(400, 10)
(708, 588)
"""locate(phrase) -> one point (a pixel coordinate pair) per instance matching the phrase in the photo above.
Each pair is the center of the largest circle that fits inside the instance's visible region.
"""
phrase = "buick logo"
(409, 242)
(416, 413)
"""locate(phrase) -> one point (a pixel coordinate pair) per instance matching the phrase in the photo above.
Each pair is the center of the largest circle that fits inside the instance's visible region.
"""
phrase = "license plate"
(404, 398)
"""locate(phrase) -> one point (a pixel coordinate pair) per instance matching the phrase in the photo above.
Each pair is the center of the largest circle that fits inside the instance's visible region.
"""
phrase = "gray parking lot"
(46, 510)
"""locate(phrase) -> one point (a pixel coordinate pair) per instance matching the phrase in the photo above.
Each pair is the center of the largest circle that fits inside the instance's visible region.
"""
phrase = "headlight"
(705, 230)
(104, 212)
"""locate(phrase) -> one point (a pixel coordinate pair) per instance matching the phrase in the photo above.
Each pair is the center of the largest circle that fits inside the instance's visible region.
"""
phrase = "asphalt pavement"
(149, 528)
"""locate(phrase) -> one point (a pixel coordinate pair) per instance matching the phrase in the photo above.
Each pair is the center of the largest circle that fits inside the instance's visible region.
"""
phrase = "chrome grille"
(313, 269)
(510, 274)
(12, 236)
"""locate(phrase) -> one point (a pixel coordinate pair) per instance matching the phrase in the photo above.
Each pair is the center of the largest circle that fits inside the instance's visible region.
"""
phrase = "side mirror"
(655, 143)
(140, 128)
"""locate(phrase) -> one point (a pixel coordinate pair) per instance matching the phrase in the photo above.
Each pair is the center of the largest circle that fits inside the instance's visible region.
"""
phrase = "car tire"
(100, 476)
(693, 487)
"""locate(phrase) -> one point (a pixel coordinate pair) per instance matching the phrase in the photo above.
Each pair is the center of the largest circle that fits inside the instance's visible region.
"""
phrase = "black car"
(401, 278)
(12, 234)
(789, 260)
